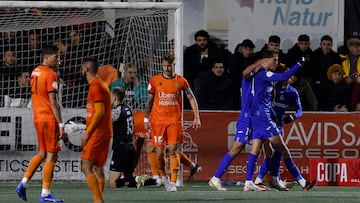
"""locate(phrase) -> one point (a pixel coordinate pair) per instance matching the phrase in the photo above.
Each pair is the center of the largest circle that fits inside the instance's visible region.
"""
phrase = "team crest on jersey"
(177, 84)
(282, 98)
(269, 74)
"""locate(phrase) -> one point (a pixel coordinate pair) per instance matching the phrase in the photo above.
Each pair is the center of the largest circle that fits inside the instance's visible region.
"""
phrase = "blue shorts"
(243, 130)
(263, 128)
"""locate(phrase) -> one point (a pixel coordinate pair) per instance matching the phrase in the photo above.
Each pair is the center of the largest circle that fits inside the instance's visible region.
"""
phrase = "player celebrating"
(284, 96)
(96, 139)
(264, 127)
(165, 104)
(243, 129)
(48, 123)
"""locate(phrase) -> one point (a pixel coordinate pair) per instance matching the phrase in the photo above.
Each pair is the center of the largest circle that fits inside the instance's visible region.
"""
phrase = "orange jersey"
(99, 92)
(167, 106)
(108, 74)
(43, 80)
(97, 146)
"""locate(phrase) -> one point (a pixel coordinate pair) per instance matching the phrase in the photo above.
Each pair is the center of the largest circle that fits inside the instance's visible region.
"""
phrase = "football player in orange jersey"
(165, 104)
(141, 134)
(48, 123)
(96, 139)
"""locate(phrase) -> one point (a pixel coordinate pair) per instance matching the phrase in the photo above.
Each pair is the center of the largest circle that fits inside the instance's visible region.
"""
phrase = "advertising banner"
(258, 19)
(335, 172)
(313, 136)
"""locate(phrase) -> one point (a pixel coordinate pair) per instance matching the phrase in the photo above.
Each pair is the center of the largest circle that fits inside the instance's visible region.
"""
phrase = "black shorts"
(123, 158)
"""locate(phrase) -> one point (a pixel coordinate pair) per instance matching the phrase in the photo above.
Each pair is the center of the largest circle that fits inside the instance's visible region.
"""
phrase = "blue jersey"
(261, 108)
(243, 124)
(282, 99)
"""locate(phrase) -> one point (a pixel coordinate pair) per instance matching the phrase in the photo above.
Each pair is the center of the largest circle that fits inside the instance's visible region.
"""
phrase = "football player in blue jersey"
(243, 128)
(284, 96)
(264, 127)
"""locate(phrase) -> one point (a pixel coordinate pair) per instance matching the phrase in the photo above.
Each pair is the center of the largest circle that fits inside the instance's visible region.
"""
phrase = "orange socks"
(174, 167)
(33, 165)
(101, 184)
(153, 161)
(93, 184)
(161, 166)
(48, 175)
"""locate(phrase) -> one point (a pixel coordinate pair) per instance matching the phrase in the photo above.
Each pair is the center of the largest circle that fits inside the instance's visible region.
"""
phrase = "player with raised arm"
(284, 96)
(96, 139)
(165, 104)
(243, 128)
(264, 128)
(48, 123)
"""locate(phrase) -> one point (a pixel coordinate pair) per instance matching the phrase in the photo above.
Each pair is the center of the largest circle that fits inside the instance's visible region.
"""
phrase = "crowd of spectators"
(328, 81)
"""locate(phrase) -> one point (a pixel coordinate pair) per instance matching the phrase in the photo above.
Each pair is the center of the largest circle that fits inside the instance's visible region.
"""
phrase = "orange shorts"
(48, 134)
(96, 149)
(165, 134)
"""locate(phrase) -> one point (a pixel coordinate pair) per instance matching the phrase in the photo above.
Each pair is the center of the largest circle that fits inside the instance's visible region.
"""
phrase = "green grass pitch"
(190, 192)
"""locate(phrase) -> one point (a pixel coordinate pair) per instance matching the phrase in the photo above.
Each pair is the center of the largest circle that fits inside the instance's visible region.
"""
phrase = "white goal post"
(117, 33)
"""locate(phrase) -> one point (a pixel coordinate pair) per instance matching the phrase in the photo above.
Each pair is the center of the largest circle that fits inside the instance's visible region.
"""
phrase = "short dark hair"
(218, 60)
(49, 49)
(266, 54)
(274, 39)
(327, 38)
(168, 57)
(303, 38)
(94, 64)
(119, 93)
(202, 33)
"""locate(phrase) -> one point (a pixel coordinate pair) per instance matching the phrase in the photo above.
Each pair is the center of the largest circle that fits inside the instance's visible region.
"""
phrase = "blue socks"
(293, 169)
(250, 166)
(264, 168)
(223, 165)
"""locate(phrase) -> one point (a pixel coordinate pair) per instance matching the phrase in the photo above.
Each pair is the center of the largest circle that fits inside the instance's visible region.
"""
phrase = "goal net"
(118, 34)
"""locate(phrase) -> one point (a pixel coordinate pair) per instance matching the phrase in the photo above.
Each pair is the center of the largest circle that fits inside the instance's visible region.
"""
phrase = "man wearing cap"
(351, 64)
(336, 91)
(242, 57)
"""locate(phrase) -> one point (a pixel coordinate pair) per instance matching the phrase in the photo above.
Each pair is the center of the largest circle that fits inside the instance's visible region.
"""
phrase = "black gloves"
(276, 121)
(303, 60)
(288, 119)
